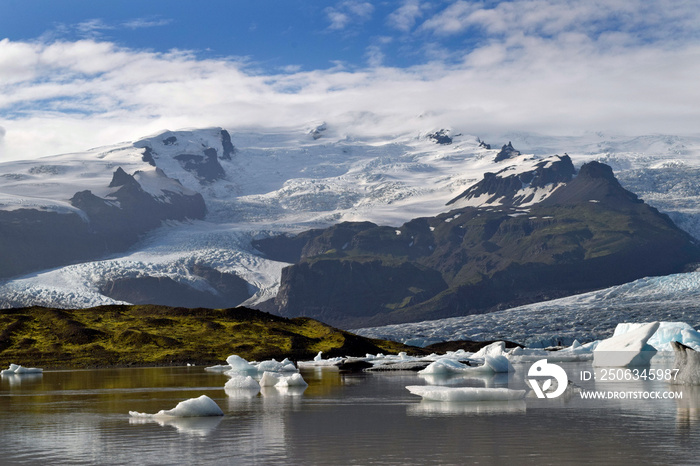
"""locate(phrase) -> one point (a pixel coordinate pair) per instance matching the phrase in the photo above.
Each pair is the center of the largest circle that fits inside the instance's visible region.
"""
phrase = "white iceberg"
(194, 407)
(242, 382)
(238, 364)
(444, 366)
(665, 334)
(275, 366)
(439, 393)
(626, 348)
(294, 380)
(318, 357)
(218, 368)
(496, 363)
(16, 369)
(496, 348)
(269, 379)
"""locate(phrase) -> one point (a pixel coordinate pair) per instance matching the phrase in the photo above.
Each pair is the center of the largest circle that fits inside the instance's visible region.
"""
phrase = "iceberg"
(275, 366)
(194, 407)
(492, 363)
(16, 369)
(628, 347)
(294, 380)
(242, 382)
(444, 366)
(665, 334)
(238, 364)
(438, 393)
(269, 379)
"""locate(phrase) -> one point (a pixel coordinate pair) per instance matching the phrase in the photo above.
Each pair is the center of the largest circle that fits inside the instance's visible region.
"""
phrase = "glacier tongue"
(586, 317)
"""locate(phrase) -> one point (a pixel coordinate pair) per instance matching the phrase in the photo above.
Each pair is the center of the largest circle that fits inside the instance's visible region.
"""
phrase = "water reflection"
(434, 408)
(200, 426)
(80, 417)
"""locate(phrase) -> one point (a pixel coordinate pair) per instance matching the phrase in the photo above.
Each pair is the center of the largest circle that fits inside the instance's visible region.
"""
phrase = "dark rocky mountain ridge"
(589, 234)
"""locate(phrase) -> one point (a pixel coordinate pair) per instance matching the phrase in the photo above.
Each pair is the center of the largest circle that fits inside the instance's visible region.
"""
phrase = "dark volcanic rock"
(506, 152)
(148, 156)
(508, 190)
(227, 145)
(205, 167)
(35, 239)
(130, 211)
(228, 290)
(441, 137)
(483, 145)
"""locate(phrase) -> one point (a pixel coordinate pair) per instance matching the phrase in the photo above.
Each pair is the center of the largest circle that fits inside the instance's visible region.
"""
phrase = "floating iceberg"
(438, 393)
(242, 382)
(627, 348)
(445, 366)
(274, 366)
(665, 334)
(194, 407)
(497, 363)
(687, 361)
(238, 364)
(16, 369)
(271, 379)
(294, 380)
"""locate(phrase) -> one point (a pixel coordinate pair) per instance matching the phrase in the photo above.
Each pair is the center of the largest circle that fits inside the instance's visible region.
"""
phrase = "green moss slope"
(160, 335)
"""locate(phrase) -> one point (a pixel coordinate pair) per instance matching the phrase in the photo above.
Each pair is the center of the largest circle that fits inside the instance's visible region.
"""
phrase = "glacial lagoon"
(81, 417)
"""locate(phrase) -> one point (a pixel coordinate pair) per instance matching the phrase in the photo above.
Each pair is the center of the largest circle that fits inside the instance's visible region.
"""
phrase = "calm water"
(81, 417)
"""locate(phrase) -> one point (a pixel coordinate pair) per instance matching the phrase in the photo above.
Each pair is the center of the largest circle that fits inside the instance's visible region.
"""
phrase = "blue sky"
(271, 34)
(76, 74)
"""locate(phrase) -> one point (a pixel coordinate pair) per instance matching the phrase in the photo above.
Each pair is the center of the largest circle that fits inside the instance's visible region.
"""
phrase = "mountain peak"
(506, 152)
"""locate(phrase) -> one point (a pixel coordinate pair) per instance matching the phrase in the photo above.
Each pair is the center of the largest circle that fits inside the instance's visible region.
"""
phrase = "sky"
(76, 74)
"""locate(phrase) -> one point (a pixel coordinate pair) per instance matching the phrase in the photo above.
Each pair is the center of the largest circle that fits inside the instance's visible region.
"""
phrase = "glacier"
(286, 180)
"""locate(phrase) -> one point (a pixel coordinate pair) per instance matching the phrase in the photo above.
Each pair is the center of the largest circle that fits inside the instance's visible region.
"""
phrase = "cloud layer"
(552, 67)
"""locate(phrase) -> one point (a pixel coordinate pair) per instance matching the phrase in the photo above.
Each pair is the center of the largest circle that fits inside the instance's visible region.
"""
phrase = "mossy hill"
(589, 234)
(159, 335)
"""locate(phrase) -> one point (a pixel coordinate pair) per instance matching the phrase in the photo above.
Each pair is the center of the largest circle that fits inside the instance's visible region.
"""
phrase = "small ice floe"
(318, 361)
(194, 407)
(16, 369)
(439, 393)
(627, 349)
(238, 364)
(242, 382)
(687, 361)
(271, 379)
(241, 387)
(492, 364)
(274, 366)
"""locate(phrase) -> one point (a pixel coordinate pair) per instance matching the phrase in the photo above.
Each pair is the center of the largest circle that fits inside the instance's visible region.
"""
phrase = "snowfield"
(289, 180)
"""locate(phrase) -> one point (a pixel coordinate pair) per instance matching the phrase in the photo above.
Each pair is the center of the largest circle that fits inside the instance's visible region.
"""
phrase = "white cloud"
(374, 55)
(548, 70)
(347, 13)
(141, 23)
(405, 17)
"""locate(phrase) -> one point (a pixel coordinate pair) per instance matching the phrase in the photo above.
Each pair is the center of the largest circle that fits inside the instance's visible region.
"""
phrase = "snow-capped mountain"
(256, 184)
